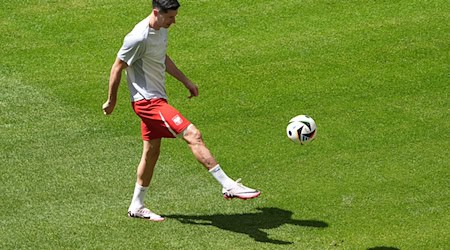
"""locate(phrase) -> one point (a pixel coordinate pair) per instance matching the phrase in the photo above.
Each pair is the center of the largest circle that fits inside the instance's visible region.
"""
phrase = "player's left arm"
(173, 70)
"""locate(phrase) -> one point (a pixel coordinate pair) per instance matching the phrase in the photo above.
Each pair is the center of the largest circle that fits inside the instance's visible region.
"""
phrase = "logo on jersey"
(177, 120)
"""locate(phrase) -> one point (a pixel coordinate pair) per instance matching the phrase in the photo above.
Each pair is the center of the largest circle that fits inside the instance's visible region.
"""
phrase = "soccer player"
(143, 57)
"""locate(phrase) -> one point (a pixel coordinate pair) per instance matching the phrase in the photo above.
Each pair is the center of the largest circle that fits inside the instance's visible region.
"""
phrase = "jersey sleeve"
(132, 49)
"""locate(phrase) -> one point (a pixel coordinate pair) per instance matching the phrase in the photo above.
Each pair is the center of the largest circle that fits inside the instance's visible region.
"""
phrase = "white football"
(301, 129)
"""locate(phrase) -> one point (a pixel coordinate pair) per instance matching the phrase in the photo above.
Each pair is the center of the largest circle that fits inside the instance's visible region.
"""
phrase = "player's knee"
(192, 135)
(154, 152)
(151, 150)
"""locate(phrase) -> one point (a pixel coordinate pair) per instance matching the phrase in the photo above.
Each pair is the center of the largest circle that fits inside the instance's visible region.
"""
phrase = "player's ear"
(155, 11)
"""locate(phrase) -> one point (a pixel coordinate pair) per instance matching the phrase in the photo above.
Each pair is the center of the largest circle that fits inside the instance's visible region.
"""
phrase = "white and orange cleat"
(240, 191)
(145, 213)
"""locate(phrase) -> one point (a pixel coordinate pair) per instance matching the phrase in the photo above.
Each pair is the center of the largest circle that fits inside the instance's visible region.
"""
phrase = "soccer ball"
(301, 129)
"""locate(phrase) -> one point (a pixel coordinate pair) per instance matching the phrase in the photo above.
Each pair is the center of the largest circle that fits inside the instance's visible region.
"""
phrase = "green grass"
(373, 74)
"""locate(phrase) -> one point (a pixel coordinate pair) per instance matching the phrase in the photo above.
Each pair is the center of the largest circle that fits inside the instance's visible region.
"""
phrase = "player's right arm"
(114, 82)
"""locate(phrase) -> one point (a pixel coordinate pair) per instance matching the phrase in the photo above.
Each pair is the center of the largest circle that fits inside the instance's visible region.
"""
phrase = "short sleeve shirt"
(144, 51)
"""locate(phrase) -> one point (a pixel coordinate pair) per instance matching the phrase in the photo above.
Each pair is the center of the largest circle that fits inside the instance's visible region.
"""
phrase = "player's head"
(163, 6)
(165, 12)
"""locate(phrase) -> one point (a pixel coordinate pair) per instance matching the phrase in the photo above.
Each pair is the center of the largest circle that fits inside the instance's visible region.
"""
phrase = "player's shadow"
(251, 224)
(383, 248)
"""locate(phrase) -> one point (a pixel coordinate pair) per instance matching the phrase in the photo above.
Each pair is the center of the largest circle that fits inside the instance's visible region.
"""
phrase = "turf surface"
(373, 74)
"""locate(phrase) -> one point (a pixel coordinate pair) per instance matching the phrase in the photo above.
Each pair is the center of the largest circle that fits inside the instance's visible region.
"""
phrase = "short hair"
(165, 5)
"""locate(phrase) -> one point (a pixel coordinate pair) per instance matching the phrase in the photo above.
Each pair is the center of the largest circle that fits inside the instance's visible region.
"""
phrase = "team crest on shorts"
(177, 120)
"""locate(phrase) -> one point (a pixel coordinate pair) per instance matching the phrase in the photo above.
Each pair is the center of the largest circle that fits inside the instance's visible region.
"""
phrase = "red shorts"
(159, 119)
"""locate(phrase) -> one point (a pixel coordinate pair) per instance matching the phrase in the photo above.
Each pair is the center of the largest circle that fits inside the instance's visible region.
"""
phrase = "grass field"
(374, 74)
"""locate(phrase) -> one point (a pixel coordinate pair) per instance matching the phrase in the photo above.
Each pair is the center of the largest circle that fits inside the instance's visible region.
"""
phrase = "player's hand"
(193, 89)
(108, 107)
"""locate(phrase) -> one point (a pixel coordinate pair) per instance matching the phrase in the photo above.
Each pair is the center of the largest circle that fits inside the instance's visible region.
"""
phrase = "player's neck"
(153, 23)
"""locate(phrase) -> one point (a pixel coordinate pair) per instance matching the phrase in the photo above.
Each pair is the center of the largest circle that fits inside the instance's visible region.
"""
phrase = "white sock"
(138, 197)
(221, 177)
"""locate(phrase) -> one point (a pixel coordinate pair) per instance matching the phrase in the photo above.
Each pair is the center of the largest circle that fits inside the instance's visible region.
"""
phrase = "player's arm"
(173, 70)
(114, 82)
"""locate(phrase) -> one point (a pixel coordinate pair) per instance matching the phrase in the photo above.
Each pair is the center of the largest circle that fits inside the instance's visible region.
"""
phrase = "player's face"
(167, 19)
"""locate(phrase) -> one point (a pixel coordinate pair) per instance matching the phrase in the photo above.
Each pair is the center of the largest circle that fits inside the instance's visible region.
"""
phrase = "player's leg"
(144, 174)
(231, 188)
(194, 139)
(150, 155)
(177, 124)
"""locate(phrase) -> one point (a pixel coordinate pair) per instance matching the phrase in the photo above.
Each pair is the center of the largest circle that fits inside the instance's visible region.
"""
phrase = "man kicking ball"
(143, 56)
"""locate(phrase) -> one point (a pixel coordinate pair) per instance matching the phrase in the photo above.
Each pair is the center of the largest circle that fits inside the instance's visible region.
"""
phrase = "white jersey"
(144, 50)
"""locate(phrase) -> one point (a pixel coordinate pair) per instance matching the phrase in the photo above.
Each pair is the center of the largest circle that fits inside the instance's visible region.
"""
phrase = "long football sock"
(138, 197)
(221, 177)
